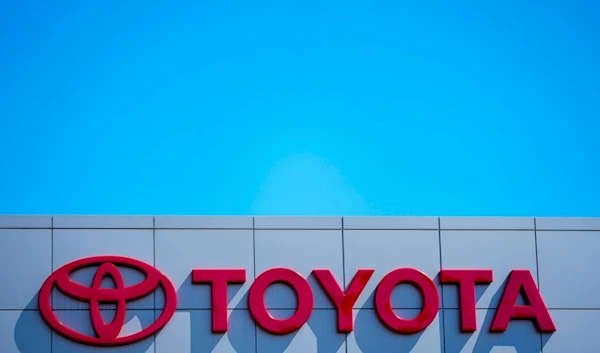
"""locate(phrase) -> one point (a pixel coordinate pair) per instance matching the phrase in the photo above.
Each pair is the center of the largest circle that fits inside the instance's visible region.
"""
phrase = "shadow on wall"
(31, 334)
(521, 336)
(240, 335)
(323, 324)
(370, 336)
(30, 331)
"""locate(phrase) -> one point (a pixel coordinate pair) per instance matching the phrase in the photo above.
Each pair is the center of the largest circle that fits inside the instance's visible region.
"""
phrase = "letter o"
(383, 303)
(258, 308)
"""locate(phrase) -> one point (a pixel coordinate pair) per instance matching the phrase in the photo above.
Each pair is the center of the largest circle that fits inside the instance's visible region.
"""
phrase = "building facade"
(194, 284)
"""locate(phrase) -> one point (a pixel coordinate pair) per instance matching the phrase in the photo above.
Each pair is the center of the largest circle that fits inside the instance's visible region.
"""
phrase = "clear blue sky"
(305, 107)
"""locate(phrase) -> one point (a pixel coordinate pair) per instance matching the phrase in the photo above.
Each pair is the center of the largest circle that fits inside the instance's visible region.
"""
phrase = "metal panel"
(135, 321)
(500, 251)
(521, 336)
(319, 334)
(189, 331)
(485, 223)
(23, 332)
(25, 259)
(203, 222)
(569, 263)
(563, 223)
(385, 250)
(576, 331)
(178, 252)
(371, 336)
(301, 251)
(117, 222)
(390, 222)
(298, 222)
(25, 221)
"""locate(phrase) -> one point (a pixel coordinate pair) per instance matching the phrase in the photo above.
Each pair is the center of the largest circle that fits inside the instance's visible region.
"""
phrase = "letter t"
(219, 279)
(466, 281)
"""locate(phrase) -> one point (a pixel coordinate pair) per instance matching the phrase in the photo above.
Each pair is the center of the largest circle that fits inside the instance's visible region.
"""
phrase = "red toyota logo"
(107, 333)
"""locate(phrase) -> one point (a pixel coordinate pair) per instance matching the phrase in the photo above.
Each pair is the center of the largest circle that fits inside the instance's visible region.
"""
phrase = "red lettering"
(521, 281)
(518, 282)
(258, 308)
(466, 281)
(344, 302)
(383, 303)
(218, 279)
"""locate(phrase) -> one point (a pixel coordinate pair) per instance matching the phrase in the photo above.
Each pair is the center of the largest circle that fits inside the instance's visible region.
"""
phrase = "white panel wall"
(302, 251)
(384, 250)
(497, 250)
(178, 251)
(25, 260)
(561, 253)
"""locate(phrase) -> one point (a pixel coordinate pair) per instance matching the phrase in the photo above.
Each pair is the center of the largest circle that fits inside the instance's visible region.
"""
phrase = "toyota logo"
(107, 334)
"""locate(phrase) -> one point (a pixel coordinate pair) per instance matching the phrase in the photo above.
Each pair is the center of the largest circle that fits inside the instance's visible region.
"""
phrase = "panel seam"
(154, 264)
(344, 279)
(442, 313)
(51, 271)
(254, 270)
(537, 265)
(537, 271)
(343, 257)
(154, 253)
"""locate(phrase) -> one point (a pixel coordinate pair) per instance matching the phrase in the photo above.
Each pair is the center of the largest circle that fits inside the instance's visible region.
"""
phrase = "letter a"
(521, 281)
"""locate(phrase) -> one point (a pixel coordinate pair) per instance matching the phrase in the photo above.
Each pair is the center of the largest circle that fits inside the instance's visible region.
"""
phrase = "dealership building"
(195, 284)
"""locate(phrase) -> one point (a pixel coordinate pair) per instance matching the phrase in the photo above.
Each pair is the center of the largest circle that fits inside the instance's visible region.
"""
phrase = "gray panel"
(568, 263)
(23, 332)
(25, 259)
(298, 222)
(204, 222)
(25, 221)
(178, 252)
(559, 223)
(73, 244)
(301, 251)
(319, 334)
(520, 336)
(135, 321)
(506, 223)
(576, 331)
(500, 251)
(390, 223)
(386, 250)
(103, 222)
(190, 332)
(371, 336)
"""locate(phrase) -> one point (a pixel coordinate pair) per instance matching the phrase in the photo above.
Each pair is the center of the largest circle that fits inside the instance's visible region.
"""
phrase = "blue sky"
(312, 108)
